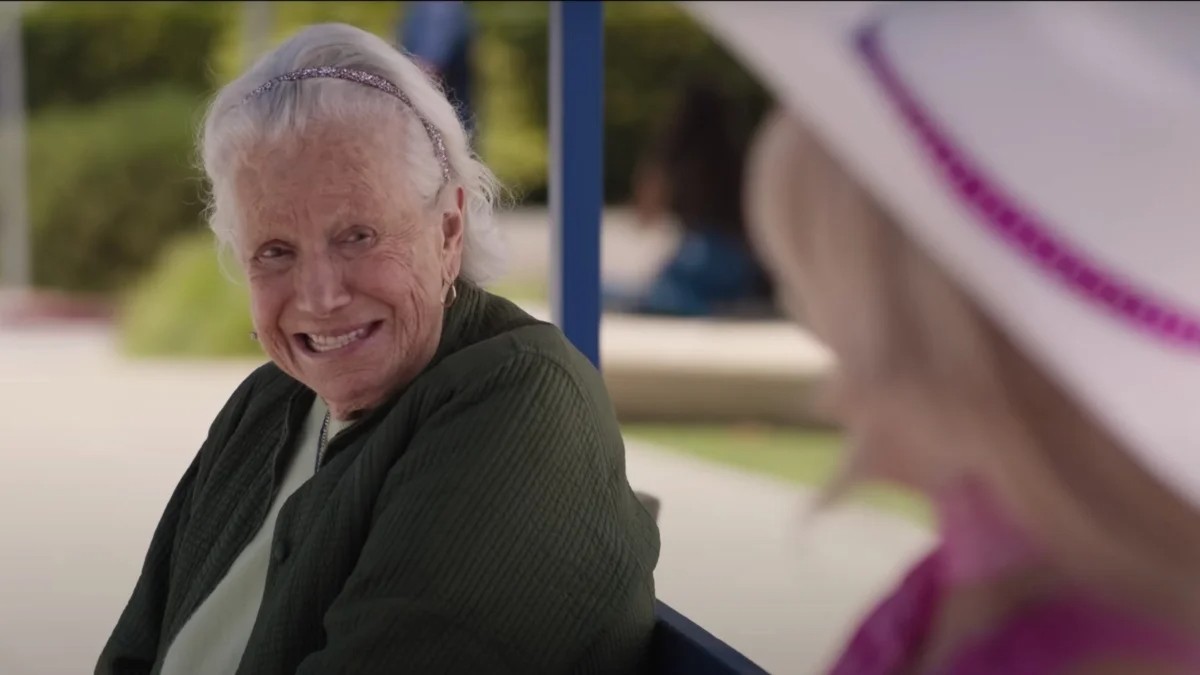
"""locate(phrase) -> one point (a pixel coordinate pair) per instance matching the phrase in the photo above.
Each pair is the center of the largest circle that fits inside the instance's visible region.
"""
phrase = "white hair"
(234, 123)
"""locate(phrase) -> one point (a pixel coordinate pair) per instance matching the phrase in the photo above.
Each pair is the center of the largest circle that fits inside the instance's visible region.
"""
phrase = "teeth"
(328, 343)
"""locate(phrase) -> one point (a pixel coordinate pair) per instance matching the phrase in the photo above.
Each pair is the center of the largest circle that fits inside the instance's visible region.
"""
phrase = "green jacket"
(479, 522)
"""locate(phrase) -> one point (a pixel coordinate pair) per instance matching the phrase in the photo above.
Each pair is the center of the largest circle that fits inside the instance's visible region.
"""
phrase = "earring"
(450, 295)
(254, 335)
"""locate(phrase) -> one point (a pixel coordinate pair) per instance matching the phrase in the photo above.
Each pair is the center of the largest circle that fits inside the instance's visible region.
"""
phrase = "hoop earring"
(254, 335)
(451, 296)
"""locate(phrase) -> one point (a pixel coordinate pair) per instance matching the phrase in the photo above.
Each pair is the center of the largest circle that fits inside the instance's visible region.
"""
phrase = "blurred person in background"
(988, 212)
(424, 479)
(440, 36)
(692, 172)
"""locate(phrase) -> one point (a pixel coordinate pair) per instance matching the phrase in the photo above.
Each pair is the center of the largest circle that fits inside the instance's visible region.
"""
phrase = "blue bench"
(680, 647)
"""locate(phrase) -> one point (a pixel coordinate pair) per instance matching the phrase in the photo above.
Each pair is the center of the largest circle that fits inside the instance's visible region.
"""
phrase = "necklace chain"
(322, 439)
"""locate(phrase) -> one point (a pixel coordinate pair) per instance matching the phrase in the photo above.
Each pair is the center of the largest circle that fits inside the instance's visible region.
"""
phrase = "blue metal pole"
(577, 169)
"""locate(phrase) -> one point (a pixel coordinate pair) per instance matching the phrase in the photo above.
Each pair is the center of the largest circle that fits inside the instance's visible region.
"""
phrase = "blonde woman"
(989, 213)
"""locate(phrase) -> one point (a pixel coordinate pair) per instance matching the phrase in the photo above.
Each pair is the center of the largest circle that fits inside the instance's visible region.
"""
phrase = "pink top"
(1044, 639)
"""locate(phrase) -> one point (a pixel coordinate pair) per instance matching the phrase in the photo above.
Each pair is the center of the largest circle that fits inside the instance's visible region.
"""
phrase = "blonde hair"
(233, 124)
(926, 372)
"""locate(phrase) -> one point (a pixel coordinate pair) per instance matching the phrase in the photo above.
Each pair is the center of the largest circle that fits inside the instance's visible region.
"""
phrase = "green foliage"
(83, 52)
(513, 142)
(229, 60)
(110, 184)
(804, 457)
(187, 306)
(651, 49)
(380, 18)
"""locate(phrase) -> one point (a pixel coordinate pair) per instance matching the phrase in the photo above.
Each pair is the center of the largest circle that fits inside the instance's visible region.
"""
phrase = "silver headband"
(375, 82)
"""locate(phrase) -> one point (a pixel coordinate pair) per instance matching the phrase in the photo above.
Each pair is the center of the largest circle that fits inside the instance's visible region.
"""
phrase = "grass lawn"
(802, 457)
(521, 290)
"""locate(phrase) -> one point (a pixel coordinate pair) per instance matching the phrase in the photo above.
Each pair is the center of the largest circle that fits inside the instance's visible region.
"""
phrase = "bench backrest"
(681, 647)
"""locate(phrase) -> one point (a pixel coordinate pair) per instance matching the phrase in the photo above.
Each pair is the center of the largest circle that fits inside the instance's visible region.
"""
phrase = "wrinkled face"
(347, 270)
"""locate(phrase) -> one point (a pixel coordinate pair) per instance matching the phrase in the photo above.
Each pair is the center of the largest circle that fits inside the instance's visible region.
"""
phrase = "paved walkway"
(94, 444)
(629, 253)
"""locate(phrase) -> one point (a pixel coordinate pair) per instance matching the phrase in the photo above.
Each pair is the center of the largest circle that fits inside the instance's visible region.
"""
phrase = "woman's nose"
(321, 288)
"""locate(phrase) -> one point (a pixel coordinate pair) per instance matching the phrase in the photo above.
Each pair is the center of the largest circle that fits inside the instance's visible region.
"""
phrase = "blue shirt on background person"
(440, 35)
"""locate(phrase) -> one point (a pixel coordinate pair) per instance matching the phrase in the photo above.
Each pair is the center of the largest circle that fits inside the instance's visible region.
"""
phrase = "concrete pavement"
(94, 444)
(678, 369)
(629, 252)
(674, 369)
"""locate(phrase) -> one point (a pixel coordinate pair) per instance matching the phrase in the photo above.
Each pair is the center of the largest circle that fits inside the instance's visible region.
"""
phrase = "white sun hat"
(1047, 155)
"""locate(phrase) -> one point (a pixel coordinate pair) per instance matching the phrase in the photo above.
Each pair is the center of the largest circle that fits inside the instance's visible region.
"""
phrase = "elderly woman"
(423, 479)
(988, 212)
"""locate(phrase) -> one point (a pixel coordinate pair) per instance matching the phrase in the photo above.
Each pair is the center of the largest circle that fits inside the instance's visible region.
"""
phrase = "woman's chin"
(346, 403)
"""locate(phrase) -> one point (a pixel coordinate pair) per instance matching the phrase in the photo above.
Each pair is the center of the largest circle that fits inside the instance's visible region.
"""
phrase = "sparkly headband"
(370, 80)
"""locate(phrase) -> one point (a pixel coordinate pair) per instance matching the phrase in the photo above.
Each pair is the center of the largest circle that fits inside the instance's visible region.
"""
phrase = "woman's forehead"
(331, 171)
(324, 153)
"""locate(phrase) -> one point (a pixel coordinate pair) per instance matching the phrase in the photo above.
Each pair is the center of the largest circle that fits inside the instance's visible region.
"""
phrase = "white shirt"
(214, 638)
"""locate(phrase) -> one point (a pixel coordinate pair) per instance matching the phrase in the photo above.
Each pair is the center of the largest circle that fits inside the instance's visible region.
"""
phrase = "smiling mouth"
(325, 343)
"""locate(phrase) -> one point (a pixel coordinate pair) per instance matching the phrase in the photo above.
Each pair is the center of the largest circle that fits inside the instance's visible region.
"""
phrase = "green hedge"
(650, 50)
(187, 306)
(115, 90)
(110, 184)
(85, 52)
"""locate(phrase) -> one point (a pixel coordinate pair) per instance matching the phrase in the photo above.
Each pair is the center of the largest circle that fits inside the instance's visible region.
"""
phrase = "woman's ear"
(453, 222)
(453, 229)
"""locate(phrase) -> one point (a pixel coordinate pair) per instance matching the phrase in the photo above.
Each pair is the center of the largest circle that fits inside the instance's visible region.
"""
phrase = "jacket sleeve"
(134, 643)
(505, 541)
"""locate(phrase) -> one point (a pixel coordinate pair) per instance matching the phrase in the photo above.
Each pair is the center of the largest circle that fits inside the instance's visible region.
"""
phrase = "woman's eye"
(358, 236)
(272, 253)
